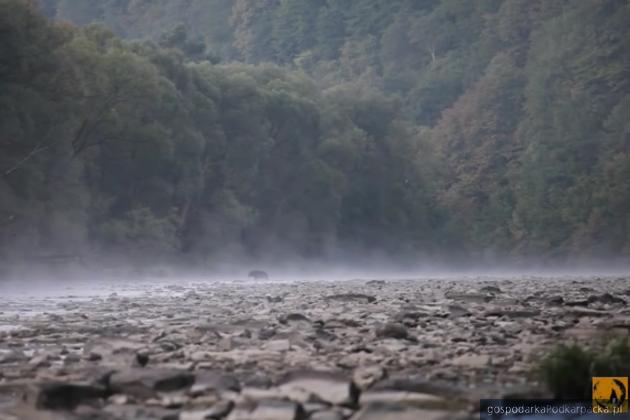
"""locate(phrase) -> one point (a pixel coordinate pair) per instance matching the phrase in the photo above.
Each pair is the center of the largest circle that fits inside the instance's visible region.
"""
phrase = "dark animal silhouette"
(258, 274)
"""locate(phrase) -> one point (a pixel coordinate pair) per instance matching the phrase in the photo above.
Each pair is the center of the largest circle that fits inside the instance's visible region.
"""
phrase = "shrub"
(567, 370)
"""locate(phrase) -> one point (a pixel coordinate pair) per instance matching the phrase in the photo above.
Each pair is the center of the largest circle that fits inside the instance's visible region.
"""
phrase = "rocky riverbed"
(358, 349)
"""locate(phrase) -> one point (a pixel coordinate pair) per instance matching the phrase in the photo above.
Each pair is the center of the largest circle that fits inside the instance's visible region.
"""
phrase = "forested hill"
(311, 127)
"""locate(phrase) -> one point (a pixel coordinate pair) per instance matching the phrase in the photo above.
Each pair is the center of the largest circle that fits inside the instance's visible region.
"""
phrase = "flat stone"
(422, 386)
(477, 361)
(330, 387)
(144, 383)
(218, 411)
(513, 313)
(412, 399)
(490, 289)
(366, 376)
(278, 345)
(458, 310)
(469, 297)
(401, 413)
(267, 410)
(352, 297)
(293, 317)
(585, 312)
(137, 412)
(606, 298)
(214, 381)
(13, 356)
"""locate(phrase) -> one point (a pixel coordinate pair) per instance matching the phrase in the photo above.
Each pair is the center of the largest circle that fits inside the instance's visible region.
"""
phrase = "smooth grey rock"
(216, 381)
(321, 386)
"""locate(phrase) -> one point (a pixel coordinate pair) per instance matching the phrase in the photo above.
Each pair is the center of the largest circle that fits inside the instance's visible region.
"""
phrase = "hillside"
(314, 128)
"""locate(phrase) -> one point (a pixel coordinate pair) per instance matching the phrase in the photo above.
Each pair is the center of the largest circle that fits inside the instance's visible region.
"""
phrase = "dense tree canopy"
(494, 127)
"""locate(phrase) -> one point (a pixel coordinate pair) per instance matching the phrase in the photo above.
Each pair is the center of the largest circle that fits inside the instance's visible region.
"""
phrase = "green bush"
(567, 370)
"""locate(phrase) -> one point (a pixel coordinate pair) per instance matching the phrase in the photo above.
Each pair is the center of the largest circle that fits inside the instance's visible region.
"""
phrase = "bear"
(258, 275)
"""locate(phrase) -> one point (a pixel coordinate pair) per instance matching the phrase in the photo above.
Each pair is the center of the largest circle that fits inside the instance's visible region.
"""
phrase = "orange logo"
(610, 394)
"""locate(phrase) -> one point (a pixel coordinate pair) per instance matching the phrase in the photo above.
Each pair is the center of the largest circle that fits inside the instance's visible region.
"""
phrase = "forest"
(199, 130)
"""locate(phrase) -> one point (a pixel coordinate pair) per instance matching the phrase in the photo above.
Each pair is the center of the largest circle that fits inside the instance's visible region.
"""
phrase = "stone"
(142, 358)
(491, 289)
(39, 361)
(218, 411)
(12, 356)
(458, 310)
(585, 312)
(67, 396)
(555, 300)
(366, 376)
(138, 412)
(480, 347)
(392, 330)
(206, 381)
(395, 412)
(421, 385)
(321, 386)
(409, 399)
(118, 399)
(477, 361)
(352, 297)
(376, 283)
(71, 358)
(144, 383)
(327, 415)
(266, 333)
(294, 317)
(267, 410)
(469, 297)
(513, 313)
(277, 345)
(606, 298)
